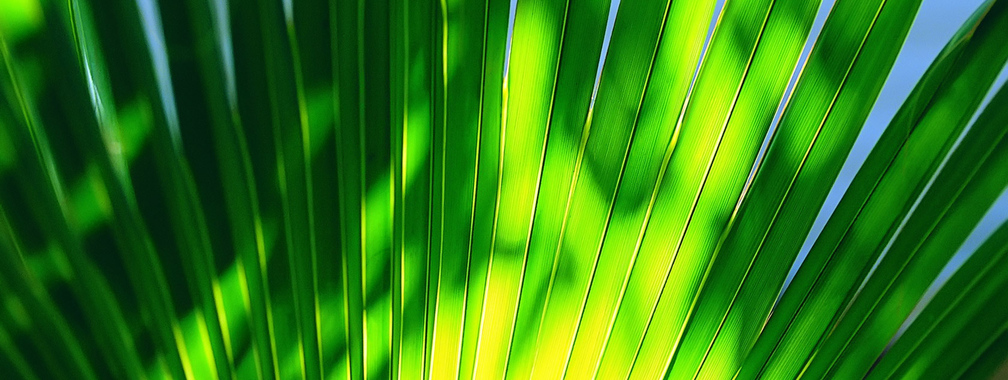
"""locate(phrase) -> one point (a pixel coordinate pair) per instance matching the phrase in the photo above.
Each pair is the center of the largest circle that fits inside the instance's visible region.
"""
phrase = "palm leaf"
(492, 189)
(811, 304)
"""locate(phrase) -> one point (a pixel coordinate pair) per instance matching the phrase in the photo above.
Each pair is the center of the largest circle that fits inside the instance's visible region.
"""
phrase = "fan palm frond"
(487, 189)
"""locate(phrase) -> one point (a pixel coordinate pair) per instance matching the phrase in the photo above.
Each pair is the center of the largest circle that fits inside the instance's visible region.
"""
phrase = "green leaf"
(906, 155)
(990, 363)
(718, 136)
(458, 137)
(584, 25)
(14, 359)
(413, 96)
(528, 94)
(808, 147)
(495, 34)
(215, 86)
(21, 287)
(962, 307)
(94, 297)
(347, 54)
(397, 189)
(605, 151)
(941, 222)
